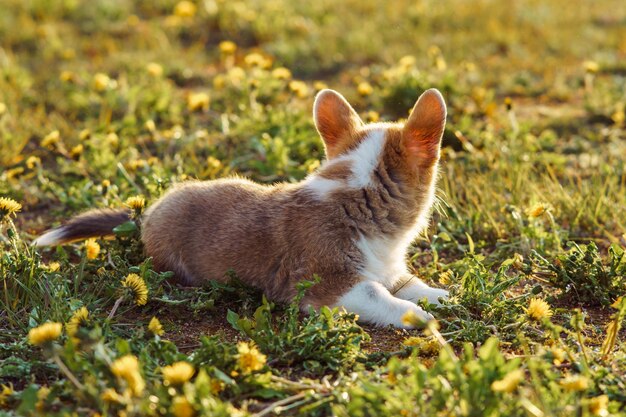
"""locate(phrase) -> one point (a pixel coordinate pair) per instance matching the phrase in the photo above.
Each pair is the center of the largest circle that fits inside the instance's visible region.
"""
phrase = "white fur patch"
(53, 237)
(365, 158)
(385, 259)
(363, 161)
(374, 304)
(322, 187)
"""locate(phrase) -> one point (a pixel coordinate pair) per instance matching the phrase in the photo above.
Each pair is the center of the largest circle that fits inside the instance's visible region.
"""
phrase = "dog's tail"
(93, 223)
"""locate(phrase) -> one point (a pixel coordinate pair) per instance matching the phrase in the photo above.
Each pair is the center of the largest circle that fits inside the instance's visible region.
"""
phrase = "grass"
(102, 101)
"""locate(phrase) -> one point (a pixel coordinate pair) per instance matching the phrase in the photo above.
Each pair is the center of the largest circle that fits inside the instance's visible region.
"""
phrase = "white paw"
(436, 295)
(418, 291)
(374, 304)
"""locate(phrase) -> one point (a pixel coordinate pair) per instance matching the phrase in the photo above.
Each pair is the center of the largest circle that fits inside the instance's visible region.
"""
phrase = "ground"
(103, 101)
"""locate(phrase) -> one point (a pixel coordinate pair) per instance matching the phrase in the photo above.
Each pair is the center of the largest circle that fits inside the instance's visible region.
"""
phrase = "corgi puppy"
(350, 223)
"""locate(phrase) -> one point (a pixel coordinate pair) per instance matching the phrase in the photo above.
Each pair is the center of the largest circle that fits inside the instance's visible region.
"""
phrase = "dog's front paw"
(436, 295)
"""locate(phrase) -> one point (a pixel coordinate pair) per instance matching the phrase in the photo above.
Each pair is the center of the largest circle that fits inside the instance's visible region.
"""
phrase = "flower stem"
(115, 307)
(67, 372)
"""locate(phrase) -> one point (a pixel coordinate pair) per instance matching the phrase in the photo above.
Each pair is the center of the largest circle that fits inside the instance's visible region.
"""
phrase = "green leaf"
(29, 400)
(125, 229)
(233, 319)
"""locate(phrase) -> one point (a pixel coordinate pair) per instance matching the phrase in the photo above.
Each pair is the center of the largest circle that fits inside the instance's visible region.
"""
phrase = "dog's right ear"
(424, 128)
(336, 121)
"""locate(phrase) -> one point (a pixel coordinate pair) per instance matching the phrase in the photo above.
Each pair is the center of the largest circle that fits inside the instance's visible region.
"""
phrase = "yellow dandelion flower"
(136, 164)
(598, 405)
(155, 327)
(51, 139)
(112, 139)
(281, 73)
(14, 172)
(538, 309)
(105, 183)
(154, 69)
(228, 47)
(8, 206)
(138, 288)
(5, 393)
(198, 101)
(255, 59)
(236, 75)
(413, 341)
(619, 117)
(77, 151)
(319, 85)
(219, 82)
(312, 164)
(32, 162)
(178, 373)
(300, 88)
(136, 203)
(575, 383)
(133, 20)
(538, 209)
(372, 116)
(410, 319)
(150, 125)
(425, 346)
(181, 407)
(591, 66)
(127, 368)
(53, 266)
(185, 9)
(509, 383)
(3, 108)
(365, 88)
(109, 395)
(213, 163)
(249, 359)
(101, 82)
(446, 277)
(216, 386)
(45, 333)
(79, 317)
(84, 134)
(42, 396)
(407, 62)
(508, 103)
(67, 77)
(558, 355)
(92, 248)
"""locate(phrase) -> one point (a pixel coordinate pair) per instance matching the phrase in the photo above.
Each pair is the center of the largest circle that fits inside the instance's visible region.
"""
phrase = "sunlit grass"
(108, 103)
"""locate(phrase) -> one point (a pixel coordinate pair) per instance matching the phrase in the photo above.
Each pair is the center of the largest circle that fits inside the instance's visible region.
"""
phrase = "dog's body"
(350, 223)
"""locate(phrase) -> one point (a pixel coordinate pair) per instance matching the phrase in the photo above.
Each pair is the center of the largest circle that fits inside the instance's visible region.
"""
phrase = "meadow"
(106, 103)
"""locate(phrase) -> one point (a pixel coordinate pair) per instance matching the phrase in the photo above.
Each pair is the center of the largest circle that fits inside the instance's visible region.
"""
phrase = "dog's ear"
(421, 135)
(336, 121)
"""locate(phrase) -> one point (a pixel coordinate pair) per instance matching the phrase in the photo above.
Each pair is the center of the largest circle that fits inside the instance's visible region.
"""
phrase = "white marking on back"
(365, 158)
(322, 187)
(363, 161)
(375, 304)
(53, 237)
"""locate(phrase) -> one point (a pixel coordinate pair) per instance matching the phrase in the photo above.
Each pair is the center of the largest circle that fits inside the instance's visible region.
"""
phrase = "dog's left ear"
(421, 135)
